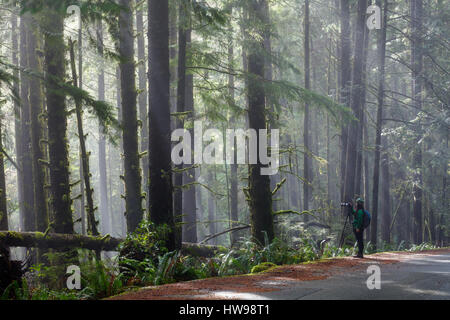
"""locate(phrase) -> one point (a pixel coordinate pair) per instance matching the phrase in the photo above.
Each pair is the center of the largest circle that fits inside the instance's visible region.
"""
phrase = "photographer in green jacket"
(358, 227)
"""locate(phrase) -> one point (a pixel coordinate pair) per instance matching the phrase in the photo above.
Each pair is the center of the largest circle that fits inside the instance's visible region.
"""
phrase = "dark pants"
(359, 238)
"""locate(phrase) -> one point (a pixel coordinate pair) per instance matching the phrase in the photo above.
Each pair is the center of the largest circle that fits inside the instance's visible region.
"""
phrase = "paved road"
(424, 275)
(417, 277)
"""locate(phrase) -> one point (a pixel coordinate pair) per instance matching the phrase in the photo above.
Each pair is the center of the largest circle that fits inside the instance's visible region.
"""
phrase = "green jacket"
(358, 219)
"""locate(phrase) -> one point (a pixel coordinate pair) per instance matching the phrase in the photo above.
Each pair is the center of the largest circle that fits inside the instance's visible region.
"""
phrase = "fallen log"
(201, 250)
(99, 243)
(57, 241)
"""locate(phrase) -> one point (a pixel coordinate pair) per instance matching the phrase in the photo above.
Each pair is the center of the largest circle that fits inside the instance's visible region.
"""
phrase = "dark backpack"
(366, 219)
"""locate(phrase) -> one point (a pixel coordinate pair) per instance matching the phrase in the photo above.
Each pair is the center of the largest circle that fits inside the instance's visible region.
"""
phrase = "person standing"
(358, 226)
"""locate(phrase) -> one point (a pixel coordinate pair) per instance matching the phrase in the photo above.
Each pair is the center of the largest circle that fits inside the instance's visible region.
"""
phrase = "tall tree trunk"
(160, 187)
(417, 88)
(189, 201)
(122, 214)
(381, 44)
(133, 195)
(356, 102)
(314, 125)
(173, 99)
(17, 121)
(103, 181)
(234, 236)
(82, 198)
(181, 105)
(142, 97)
(3, 204)
(37, 134)
(199, 203)
(385, 194)
(260, 195)
(307, 162)
(445, 199)
(367, 200)
(80, 85)
(115, 223)
(53, 28)
(268, 70)
(360, 145)
(173, 32)
(92, 223)
(245, 35)
(330, 165)
(212, 224)
(25, 162)
(345, 79)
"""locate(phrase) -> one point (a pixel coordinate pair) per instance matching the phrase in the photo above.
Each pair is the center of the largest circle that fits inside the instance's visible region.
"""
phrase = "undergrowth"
(143, 260)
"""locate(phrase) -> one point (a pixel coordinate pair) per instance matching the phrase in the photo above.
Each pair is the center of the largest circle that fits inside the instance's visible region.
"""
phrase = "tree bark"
(260, 195)
(160, 187)
(17, 121)
(234, 217)
(133, 195)
(37, 133)
(80, 85)
(307, 162)
(189, 201)
(380, 99)
(25, 162)
(92, 223)
(63, 241)
(179, 123)
(3, 204)
(57, 241)
(360, 144)
(211, 210)
(122, 213)
(345, 80)
(386, 194)
(53, 28)
(142, 96)
(356, 101)
(173, 32)
(417, 88)
(103, 181)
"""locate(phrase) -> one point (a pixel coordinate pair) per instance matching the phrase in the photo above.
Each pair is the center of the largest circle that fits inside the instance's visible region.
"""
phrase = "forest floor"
(404, 275)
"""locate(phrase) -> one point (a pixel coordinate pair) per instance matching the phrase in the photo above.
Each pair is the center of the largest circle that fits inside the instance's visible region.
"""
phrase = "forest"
(145, 142)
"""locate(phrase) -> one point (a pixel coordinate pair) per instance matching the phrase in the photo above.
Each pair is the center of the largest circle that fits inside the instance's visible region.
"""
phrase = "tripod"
(347, 221)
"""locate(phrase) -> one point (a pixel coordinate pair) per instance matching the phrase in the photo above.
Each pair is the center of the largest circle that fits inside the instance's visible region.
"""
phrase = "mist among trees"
(91, 92)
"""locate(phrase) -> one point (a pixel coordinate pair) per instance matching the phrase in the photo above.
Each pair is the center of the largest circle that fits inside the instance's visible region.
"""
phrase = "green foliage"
(135, 272)
(142, 252)
(401, 246)
(250, 255)
(385, 246)
(146, 242)
(52, 273)
(98, 281)
(205, 14)
(22, 291)
(191, 268)
(102, 110)
(332, 251)
(369, 248)
(8, 79)
(166, 263)
(422, 247)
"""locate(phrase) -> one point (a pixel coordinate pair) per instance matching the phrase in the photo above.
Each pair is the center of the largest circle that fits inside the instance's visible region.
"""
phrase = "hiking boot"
(360, 256)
